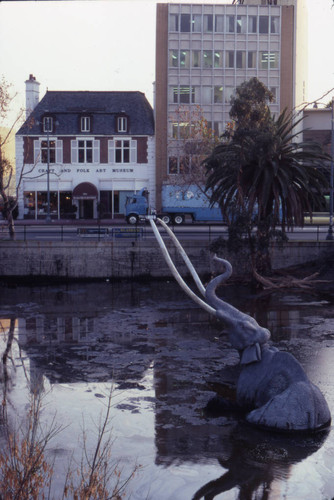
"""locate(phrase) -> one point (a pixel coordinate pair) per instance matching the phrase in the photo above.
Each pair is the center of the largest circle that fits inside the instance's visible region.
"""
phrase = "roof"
(68, 106)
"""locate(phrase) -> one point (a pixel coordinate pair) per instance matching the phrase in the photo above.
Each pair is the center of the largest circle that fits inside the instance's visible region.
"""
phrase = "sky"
(110, 45)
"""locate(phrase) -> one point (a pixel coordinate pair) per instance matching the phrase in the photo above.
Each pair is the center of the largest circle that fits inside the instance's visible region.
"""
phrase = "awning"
(85, 191)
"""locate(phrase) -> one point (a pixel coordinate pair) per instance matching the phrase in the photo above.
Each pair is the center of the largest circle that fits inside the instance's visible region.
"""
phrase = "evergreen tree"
(260, 171)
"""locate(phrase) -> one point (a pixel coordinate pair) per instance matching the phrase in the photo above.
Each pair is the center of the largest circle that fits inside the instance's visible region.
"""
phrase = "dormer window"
(85, 125)
(122, 124)
(48, 124)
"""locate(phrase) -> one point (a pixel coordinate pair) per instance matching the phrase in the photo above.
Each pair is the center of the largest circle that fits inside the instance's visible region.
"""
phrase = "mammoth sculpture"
(272, 387)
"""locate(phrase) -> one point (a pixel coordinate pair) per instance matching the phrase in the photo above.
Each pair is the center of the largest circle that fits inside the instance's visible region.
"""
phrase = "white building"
(79, 154)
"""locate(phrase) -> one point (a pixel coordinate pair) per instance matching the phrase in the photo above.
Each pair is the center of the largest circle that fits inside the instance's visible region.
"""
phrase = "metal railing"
(103, 232)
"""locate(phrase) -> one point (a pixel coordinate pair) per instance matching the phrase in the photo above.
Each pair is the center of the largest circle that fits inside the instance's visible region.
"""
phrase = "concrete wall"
(124, 258)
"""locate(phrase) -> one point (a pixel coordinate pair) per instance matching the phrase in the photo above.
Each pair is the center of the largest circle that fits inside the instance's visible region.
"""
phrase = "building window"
(218, 94)
(206, 95)
(184, 95)
(42, 203)
(174, 58)
(66, 207)
(241, 59)
(122, 124)
(273, 90)
(122, 151)
(182, 130)
(48, 150)
(207, 58)
(173, 22)
(264, 24)
(228, 94)
(113, 202)
(85, 124)
(175, 130)
(29, 204)
(252, 24)
(196, 23)
(241, 24)
(172, 165)
(85, 151)
(208, 23)
(41, 151)
(185, 164)
(251, 59)
(218, 59)
(219, 24)
(181, 164)
(47, 124)
(184, 59)
(196, 58)
(185, 23)
(274, 24)
(268, 60)
(230, 24)
(230, 59)
(215, 128)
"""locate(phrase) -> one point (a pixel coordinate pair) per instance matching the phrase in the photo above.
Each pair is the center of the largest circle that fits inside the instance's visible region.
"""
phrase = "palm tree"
(268, 175)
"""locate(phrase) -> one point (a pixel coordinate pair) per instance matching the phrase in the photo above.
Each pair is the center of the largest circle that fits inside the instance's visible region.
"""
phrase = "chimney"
(32, 94)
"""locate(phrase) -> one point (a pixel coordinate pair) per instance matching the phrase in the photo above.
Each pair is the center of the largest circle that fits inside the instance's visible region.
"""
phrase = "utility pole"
(48, 214)
(330, 229)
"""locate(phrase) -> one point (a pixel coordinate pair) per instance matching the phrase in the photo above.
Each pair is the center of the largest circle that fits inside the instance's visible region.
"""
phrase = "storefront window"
(105, 206)
(66, 207)
(42, 204)
(29, 204)
(112, 202)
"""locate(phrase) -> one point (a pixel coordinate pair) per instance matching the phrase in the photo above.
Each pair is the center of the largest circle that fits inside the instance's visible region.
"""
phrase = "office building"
(204, 51)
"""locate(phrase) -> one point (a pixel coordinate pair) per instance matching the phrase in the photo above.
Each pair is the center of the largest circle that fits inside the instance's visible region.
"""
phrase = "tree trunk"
(8, 215)
(11, 226)
(8, 207)
(262, 260)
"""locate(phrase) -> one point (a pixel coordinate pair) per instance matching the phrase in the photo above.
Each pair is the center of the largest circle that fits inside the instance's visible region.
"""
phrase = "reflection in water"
(97, 333)
(256, 459)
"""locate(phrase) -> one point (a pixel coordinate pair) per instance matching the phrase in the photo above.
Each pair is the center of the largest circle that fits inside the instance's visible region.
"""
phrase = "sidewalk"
(67, 222)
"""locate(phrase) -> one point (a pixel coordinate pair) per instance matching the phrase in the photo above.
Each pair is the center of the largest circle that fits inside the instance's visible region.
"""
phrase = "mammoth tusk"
(176, 274)
(185, 257)
(228, 267)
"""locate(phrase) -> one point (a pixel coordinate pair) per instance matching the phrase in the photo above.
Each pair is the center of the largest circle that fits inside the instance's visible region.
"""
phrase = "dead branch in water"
(288, 281)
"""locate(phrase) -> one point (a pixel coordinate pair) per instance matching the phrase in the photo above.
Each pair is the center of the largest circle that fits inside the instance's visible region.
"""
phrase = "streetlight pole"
(330, 229)
(48, 215)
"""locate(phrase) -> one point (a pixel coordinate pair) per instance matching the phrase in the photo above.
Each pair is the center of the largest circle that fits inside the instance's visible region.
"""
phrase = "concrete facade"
(317, 124)
(203, 52)
(121, 259)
